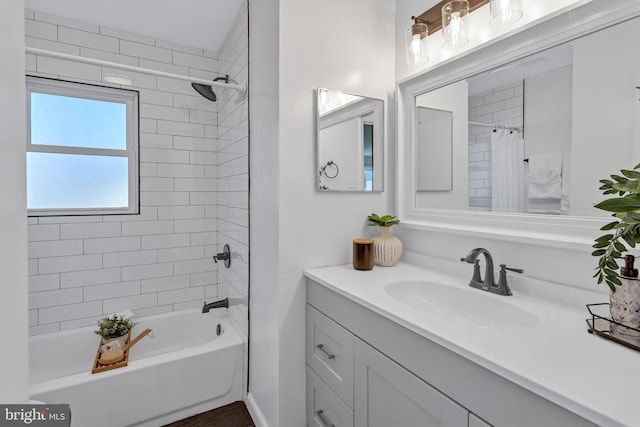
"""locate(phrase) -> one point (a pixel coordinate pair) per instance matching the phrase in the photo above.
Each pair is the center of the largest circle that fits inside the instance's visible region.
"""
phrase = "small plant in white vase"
(387, 248)
(114, 331)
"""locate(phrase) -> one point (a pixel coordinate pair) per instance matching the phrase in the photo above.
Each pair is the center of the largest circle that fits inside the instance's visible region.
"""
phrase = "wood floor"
(232, 415)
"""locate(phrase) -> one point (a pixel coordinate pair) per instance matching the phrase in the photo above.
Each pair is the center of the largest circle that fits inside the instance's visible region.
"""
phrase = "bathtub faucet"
(218, 304)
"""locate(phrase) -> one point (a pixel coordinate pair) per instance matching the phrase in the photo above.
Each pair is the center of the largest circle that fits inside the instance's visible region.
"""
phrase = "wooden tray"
(97, 368)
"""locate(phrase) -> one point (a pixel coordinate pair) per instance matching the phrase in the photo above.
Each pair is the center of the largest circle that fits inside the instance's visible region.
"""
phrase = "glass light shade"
(455, 25)
(416, 44)
(505, 12)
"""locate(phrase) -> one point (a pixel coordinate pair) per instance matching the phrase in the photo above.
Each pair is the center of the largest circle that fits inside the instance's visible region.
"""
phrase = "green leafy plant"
(384, 221)
(624, 232)
(114, 327)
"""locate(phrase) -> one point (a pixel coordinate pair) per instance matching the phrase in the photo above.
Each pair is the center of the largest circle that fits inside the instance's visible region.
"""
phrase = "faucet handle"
(503, 286)
(504, 267)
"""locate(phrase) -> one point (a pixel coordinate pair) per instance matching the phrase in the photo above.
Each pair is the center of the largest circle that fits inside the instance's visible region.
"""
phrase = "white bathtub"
(183, 369)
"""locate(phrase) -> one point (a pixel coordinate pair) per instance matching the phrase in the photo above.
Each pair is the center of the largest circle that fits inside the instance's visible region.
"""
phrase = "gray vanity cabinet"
(350, 383)
(386, 395)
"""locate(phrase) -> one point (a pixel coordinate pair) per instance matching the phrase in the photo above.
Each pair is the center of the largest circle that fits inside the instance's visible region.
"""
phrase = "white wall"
(454, 98)
(433, 149)
(547, 111)
(13, 250)
(340, 145)
(332, 49)
(264, 380)
(547, 122)
(603, 113)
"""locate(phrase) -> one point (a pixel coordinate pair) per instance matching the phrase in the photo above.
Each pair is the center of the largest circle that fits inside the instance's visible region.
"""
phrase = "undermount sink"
(471, 307)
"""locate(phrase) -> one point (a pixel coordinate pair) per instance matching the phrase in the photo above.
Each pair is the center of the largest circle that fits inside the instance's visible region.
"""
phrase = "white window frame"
(99, 93)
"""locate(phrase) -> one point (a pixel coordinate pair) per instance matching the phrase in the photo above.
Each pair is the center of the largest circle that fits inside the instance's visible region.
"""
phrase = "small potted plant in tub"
(114, 331)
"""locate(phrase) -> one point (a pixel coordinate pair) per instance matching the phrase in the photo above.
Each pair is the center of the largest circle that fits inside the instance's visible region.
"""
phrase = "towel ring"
(323, 169)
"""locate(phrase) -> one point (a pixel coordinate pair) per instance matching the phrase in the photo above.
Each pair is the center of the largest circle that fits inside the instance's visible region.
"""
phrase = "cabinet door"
(386, 395)
(474, 421)
(324, 407)
(330, 353)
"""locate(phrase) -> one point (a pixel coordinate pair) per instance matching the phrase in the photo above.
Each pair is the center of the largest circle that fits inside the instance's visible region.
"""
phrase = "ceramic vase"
(114, 343)
(386, 248)
(625, 308)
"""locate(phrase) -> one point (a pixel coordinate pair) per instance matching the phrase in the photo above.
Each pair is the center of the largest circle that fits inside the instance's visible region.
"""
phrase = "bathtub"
(181, 369)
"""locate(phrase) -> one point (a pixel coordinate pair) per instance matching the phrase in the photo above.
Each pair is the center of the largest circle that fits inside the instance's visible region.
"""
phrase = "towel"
(545, 176)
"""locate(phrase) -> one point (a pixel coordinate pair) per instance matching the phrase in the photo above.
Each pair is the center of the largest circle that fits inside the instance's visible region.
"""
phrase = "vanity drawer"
(324, 407)
(330, 353)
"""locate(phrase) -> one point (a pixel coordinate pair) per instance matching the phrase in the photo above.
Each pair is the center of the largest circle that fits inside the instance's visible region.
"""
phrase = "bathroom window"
(82, 149)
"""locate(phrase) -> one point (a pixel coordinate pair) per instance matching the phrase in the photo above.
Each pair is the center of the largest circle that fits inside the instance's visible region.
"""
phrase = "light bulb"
(454, 20)
(416, 49)
(456, 28)
(505, 12)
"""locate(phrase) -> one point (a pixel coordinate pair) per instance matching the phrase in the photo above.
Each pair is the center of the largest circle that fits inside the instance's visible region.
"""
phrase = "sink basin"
(474, 308)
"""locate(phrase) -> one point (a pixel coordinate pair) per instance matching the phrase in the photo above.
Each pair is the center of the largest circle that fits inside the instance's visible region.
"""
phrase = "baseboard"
(255, 412)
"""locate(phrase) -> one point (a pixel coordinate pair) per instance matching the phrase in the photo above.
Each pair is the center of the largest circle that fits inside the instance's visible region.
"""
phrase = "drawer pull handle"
(324, 422)
(329, 355)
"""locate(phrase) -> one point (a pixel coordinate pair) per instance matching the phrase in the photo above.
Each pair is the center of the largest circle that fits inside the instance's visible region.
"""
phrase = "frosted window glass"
(78, 122)
(70, 181)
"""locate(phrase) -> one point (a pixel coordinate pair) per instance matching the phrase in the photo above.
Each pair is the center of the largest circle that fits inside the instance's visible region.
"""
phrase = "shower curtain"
(507, 171)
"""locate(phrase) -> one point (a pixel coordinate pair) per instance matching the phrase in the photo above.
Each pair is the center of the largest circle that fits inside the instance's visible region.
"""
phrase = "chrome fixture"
(225, 256)
(488, 283)
(223, 303)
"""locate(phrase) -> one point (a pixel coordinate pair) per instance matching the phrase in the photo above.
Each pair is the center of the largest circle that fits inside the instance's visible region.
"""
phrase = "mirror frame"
(378, 135)
(568, 232)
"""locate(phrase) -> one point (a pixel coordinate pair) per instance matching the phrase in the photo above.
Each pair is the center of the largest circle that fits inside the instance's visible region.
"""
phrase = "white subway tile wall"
(194, 186)
(500, 106)
(194, 176)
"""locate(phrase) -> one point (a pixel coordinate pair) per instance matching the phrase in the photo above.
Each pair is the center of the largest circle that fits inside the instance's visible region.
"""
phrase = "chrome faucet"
(488, 283)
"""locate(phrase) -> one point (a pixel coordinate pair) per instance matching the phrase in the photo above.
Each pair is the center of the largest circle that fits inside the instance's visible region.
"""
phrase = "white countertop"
(556, 358)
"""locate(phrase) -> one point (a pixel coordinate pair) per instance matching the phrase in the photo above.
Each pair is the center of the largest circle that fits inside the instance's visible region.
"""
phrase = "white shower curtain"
(507, 171)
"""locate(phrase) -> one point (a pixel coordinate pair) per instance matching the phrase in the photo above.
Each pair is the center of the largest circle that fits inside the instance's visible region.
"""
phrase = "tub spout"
(218, 304)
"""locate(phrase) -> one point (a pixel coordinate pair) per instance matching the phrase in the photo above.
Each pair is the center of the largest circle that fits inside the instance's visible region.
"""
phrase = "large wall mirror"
(350, 142)
(532, 135)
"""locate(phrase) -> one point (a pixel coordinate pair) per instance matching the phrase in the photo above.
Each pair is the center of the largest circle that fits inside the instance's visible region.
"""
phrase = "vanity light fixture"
(455, 25)
(451, 16)
(416, 46)
(505, 12)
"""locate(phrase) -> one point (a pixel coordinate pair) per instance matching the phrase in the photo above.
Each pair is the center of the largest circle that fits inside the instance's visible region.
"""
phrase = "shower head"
(204, 90)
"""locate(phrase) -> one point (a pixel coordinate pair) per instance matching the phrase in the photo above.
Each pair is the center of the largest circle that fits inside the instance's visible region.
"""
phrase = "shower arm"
(241, 88)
